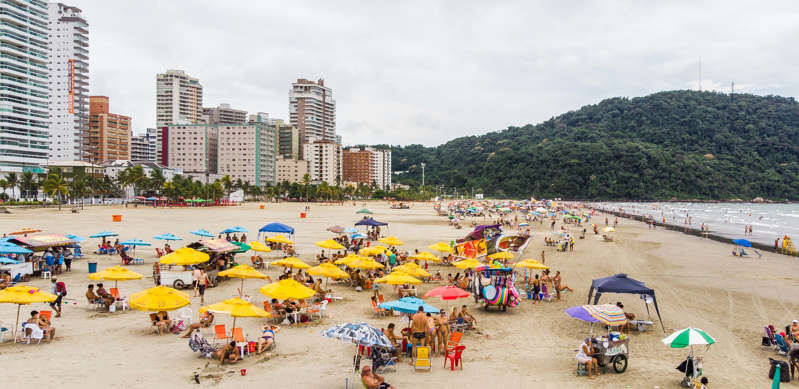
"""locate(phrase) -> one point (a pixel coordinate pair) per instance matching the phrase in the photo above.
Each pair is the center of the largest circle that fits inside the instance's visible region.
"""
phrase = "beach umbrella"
(398, 278)
(292, 262)
(167, 236)
(242, 271)
(469, 263)
(409, 305)
(502, 255)
(366, 264)
(607, 314)
(448, 293)
(327, 270)
(336, 229)
(236, 307)
(10, 248)
(524, 224)
(425, 256)
(279, 239)
(134, 243)
(365, 211)
(330, 244)
(361, 334)
(608, 229)
(349, 258)
(159, 298)
(203, 233)
(350, 230)
(391, 241)
(412, 269)
(26, 230)
(185, 256)
(742, 242)
(442, 247)
(24, 295)
(6, 260)
(116, 274)
(688, 337)
(76, 238)
(233, 230)
(258, 246)
(104, 234)
(287, 289)
(243, 247)
(358, 236)
(531, 264)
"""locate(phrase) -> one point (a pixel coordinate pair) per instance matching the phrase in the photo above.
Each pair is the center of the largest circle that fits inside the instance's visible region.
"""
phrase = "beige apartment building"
(224, 114)
(291, 170)
(179, 99)
(324, 161)
(312, 109)
(247, 152)
(191, 147)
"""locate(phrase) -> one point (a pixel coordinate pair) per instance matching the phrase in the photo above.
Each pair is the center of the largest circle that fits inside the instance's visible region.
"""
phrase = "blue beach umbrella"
(10, 248)
(134, 243)
(202, 233)
(104, 234)
(76, 238)
(7, 261)
(409, 305)
(350, 230)
(167, 236)
(742, 242)
(233, 230)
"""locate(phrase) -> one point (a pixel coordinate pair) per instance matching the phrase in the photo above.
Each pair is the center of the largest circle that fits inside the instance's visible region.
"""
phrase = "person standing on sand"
(442, 331)
(542, 257)
(202, 282)
(419, 329)
(777, 245)
(195, 278)
(156, 273)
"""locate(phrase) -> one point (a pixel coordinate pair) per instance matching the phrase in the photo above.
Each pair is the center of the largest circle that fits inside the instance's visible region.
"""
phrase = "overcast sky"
(428, 71)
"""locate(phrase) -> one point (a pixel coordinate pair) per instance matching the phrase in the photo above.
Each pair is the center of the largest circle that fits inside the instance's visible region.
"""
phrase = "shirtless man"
(419, 328)
(795, 330)
(466, 316)
(557, 280)
(373, 381)
(105, 296)
(228, 351)
(442, 331)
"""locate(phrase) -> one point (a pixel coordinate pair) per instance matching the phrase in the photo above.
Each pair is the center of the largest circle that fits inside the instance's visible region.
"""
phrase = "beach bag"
(785, 373)
(490, 293)
(112, 308)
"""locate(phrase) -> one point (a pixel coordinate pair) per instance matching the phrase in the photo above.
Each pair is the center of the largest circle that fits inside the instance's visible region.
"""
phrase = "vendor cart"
(611, 351)
(182, 279)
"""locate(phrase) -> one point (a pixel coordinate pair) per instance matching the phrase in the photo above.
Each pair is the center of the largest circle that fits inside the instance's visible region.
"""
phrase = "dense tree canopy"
(669, 145)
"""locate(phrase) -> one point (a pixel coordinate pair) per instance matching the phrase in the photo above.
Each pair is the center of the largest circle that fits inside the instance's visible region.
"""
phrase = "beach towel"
(36, 332)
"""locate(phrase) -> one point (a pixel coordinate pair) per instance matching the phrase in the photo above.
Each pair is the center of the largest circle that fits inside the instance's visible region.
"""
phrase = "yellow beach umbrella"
(467, 264)
(398, 278)
(291, 262)
(24, 295)
(236, 307)
(425, 256)
(608, 229)
(185, 256)
(367, 264)
(349, 258)
(502, 255)
(258, 246)
(391, 241)
(329, 244)
(242, 271)
(116, 274)
(328, 270)
(412, 270)
(441, 247)
(159, 298)
(287, 289)
(279, 239)
(531, 264)
(374, 250)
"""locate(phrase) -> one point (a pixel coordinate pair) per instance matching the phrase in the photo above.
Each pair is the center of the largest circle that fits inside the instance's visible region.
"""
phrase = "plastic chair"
(454, 340)
(46, 273)
(454, 357)
(241, 341)
(422, 358)
(47, 314)
(220, 332)
(158, 252)
(377, 310)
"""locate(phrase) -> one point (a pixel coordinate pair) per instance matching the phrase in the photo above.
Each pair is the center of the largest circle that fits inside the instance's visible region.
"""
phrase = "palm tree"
(132, 176)
(55, 185)
(12, 180)
(27, 184)
(79, 187)
(156, 181)
(3, 185)
(227, 184)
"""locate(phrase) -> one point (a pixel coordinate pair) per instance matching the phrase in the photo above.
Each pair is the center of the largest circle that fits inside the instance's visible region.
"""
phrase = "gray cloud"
(426, 72)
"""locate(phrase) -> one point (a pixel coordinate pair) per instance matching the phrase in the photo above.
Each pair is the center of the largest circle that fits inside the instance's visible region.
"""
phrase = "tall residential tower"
(69, 83)
(179, 99)
(24, 90)
(312, 110)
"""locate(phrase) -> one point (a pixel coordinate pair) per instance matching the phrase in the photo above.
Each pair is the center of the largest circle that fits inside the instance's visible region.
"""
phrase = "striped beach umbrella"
(688, 337)
(359, 333)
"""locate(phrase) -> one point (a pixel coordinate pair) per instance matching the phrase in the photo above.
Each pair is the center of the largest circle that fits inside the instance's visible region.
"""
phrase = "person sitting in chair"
(466, 317)
(206, 319)
(107, 298)
(163, 322)
(373, 381)
(585, 357)
(267, 339)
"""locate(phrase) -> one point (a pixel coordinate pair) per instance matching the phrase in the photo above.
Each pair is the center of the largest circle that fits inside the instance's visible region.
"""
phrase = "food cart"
(611, 349)
(215, 248)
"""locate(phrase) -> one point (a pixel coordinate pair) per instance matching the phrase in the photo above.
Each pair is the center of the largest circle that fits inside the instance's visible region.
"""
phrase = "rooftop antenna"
(732, 87)
(700, 74)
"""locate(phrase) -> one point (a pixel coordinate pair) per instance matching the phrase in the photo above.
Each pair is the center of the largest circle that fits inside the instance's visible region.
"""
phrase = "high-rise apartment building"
(368, 166)
(109, 133)
(288, 140)
(312, 109)
(142, 148)
(247, 152)
(324, 161)
(291, 170)
(190, 147)
(24, 88)
(179, 99)
(69, 83)
(155, 135)
(223, 114)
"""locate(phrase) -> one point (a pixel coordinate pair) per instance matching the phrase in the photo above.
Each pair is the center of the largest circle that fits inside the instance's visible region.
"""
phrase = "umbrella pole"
(241, 289)
(234, 323)
(17, 324)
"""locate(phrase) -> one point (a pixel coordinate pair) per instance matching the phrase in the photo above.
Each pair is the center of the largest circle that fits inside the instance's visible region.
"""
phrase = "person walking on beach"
(156, 273)
(202, 282)
(195, 278)
(542, 256)
(419, 329)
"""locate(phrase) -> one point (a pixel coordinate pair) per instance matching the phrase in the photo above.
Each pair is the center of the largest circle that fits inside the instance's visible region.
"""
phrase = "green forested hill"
(678, 144)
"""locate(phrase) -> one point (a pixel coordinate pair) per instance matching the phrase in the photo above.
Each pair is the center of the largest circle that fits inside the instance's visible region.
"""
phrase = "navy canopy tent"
(277, 227)
(620, 283)
(370, 222)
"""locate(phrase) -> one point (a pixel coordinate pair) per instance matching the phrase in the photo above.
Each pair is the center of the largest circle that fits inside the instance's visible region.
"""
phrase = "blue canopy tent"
(370, 222)
(742, 242)
(620, 283)
(10, 248)
(279, 228)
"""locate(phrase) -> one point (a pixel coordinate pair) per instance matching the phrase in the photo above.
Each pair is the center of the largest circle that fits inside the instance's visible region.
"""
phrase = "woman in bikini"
(267, 338)
(442, 331)
(430, 336)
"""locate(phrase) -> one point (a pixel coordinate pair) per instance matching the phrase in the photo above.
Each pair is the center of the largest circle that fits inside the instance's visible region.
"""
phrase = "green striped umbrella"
(688, 337)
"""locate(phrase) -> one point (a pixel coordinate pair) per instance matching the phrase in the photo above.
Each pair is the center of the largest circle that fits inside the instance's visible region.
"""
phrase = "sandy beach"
(698, 283)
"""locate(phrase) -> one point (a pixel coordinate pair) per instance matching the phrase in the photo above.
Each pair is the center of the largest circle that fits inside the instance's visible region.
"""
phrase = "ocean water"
(768, 221)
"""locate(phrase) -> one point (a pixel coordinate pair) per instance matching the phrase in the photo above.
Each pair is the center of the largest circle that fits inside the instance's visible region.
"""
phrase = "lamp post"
(423, 165)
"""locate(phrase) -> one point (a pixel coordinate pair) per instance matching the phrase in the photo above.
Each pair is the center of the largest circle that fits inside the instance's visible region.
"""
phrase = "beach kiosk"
(38, 244)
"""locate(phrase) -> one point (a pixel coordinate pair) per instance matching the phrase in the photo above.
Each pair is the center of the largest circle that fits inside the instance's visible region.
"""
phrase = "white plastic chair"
(46, 274)
(185, 314)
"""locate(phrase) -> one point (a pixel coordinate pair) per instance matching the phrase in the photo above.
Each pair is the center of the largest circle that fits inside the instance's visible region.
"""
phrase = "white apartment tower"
(324, 161)
(69, 83)
(24, 113)
(179, 99)
(312, 110)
